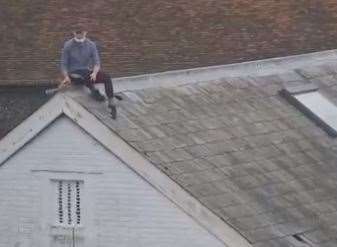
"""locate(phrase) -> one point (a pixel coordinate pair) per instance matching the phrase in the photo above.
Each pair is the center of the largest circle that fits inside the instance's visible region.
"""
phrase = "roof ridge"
(263, 67)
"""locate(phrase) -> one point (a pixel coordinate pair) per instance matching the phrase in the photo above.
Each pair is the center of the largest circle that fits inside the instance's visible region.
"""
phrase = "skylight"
(314, 105)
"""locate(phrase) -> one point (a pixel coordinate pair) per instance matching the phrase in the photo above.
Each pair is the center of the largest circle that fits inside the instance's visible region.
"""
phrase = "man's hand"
(93, 76)
(65, 83)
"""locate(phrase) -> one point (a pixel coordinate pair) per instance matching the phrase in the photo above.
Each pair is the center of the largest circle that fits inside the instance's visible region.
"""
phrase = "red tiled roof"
(137, 37)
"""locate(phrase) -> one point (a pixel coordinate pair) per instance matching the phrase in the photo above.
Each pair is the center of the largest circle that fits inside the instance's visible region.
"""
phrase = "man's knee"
(102, 77)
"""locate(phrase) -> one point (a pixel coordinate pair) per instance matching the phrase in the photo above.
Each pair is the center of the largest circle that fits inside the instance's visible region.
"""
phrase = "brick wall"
(118, 207)
(140, 36)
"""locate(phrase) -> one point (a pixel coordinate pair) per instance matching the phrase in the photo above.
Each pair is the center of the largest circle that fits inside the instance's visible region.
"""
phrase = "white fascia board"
(30, 127)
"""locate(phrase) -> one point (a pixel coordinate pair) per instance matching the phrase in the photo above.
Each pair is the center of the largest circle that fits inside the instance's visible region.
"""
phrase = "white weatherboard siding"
(119, 207)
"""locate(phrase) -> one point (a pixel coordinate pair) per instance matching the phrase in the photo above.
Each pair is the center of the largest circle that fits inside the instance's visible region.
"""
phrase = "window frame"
(290, 93)
(55, 209)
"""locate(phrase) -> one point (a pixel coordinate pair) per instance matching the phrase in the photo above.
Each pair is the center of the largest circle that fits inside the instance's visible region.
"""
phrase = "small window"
(68, 202)
(314, 105)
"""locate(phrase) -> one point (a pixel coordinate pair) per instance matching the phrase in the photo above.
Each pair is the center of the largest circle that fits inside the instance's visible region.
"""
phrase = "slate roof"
(241, 149)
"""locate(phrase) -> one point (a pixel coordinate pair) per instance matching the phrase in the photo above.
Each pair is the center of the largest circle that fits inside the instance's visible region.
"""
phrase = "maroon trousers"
(83, 77)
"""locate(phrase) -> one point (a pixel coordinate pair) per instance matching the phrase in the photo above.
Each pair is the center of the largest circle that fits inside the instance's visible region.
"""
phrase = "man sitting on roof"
(80, 64)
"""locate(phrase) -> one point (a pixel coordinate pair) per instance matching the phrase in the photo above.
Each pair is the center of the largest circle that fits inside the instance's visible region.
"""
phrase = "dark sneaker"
(97, 95)
(113, 110)
(118, 97)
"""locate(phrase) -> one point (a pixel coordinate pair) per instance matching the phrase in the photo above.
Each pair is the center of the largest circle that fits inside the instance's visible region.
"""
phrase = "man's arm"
(64, 64)
(96, 69)
(97, 62)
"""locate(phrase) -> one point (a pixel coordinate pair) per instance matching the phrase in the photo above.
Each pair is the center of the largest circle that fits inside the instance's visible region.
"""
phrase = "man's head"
(79, 33)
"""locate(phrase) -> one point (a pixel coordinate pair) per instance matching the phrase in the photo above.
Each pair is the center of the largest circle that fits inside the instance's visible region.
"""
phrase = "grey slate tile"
(311, 71)
(324, 81)
(263, 234)
(236, 211)
(320, 236)
(135, 134)
(221, 160)
(331, 243)
(281, 242)
(205, 189)
(178, 154)
(220, 201)
(158, 157)
(291, 76)
(191, 166)
(198, 151)
(252, 222)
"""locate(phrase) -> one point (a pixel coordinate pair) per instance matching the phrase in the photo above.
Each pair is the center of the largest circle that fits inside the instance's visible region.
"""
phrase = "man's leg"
(83, 77)
(106, 79)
